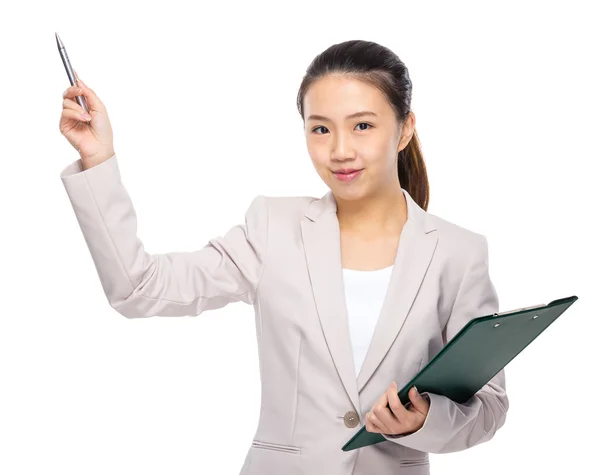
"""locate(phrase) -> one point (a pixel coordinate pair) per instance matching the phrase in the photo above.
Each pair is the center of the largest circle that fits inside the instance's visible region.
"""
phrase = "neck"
(374, 215)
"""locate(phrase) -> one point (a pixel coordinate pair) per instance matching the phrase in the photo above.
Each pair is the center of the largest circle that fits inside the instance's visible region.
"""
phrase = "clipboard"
(483, 347)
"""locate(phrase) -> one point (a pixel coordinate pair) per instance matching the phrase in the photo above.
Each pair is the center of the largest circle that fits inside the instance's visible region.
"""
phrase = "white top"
(365, 292)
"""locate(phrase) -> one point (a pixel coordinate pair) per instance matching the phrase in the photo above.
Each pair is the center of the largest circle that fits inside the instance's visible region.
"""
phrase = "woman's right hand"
(93, 139)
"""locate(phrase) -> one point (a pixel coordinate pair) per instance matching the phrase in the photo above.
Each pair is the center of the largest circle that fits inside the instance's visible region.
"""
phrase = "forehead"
(337, 96)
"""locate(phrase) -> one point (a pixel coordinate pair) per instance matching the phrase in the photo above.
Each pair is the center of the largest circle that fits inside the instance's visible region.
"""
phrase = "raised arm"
(138, 284)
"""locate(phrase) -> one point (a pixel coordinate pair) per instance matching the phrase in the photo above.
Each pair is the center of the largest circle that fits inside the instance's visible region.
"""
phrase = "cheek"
(319, 163)
(319, 157)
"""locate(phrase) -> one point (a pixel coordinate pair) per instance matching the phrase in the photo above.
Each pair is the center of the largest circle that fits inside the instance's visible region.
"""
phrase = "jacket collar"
(321, 238)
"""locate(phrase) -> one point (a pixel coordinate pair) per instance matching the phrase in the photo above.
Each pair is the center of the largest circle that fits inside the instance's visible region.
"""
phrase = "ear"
(407, 130)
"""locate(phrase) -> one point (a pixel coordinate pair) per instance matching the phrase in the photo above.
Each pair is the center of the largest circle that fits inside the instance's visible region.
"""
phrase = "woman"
(372, 288)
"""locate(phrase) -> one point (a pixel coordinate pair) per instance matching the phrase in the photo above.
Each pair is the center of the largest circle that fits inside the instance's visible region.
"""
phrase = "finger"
(93, 101)
(382, 401)
(72, 91)
(71, 104)
(388, 417)
(370, 417)
(389, 421)
(377, 423)
(418, 402)
(74, 115)
(369, 425)
(396, 407)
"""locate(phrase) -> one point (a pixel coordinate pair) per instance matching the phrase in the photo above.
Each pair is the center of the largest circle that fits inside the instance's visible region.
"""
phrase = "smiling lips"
(347, 170)
(348, 174)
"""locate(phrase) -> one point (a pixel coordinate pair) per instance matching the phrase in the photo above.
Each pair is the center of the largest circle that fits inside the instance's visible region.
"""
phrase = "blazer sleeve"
(138, 284)
(449, 426)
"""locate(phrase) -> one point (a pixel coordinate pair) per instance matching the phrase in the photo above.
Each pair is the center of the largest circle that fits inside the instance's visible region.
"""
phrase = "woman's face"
(369, 142)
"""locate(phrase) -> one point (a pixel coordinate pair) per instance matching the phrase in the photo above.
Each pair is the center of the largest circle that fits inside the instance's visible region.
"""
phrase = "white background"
(201, 97)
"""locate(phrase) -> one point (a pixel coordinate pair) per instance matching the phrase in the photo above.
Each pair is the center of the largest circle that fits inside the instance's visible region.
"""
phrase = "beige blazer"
(285, 261)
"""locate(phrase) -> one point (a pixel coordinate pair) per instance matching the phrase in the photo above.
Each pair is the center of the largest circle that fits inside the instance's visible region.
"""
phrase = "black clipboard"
(478, 352)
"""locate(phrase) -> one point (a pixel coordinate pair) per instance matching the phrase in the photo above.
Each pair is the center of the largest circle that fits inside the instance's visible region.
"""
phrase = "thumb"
(418, 401)
(91, 98)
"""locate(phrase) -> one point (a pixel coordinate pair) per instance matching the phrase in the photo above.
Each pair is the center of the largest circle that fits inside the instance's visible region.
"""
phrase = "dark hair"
(380, 67)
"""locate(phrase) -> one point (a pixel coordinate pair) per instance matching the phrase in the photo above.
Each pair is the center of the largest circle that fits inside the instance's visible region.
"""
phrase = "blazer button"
(351, 419)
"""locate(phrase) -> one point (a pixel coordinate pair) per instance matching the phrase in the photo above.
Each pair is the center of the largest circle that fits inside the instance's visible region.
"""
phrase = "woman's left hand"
(400, 420)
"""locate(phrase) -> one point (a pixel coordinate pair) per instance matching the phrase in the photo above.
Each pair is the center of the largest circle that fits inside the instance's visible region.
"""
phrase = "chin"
(348, 193)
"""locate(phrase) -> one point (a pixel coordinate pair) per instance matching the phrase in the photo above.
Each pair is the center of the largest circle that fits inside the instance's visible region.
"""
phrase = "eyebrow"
(351, 116)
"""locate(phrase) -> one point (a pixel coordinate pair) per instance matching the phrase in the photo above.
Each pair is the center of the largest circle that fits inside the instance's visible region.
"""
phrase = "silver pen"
(65, 59)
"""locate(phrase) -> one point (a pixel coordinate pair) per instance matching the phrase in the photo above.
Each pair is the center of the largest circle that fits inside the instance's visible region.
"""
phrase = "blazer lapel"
(321, 238)
(415, 251)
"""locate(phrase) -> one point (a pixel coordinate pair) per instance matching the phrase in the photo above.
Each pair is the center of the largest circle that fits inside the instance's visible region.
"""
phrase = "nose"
(342, 147)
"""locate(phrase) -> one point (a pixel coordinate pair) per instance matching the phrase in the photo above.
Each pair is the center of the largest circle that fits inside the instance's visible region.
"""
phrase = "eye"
(323, 127)
(319, 127)
(366, 123)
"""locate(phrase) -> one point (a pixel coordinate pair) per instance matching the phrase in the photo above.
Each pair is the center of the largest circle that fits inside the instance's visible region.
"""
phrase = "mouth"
(348, 174)
(347, 171)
